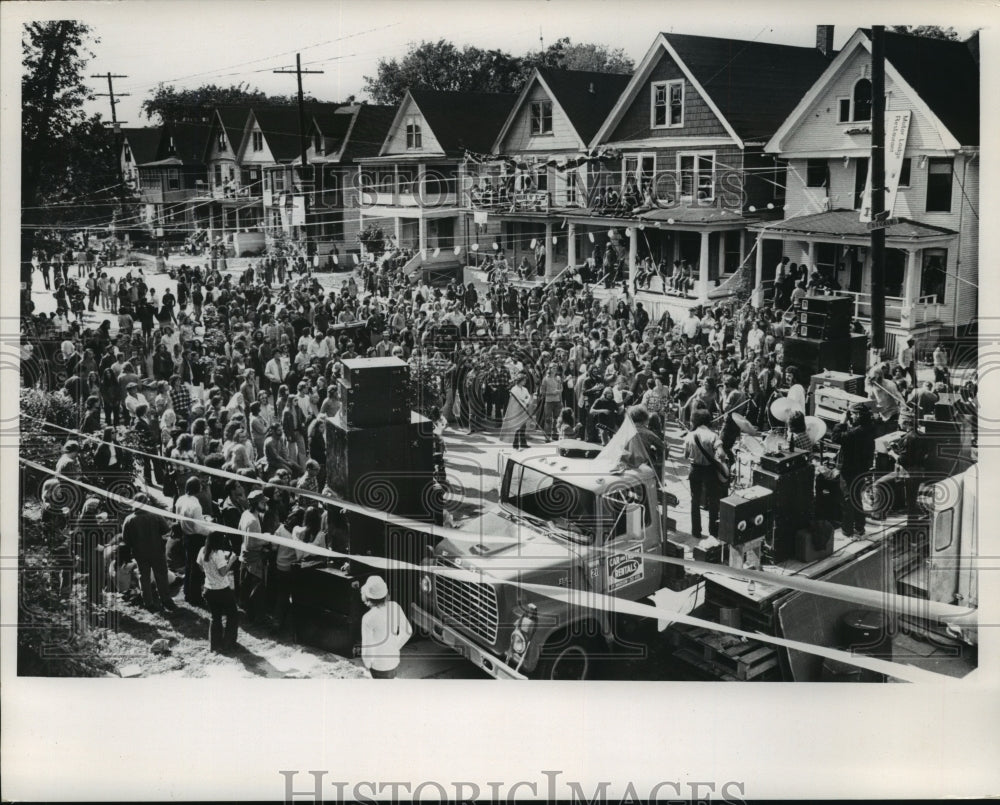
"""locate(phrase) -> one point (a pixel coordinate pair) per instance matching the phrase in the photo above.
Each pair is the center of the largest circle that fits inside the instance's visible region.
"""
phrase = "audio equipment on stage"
(814, 355)
(746, 515)
(746, 556)
(814, 542)
(830, 304)
(855, 384)
(784, 461)
(794, 505)
(831, 403)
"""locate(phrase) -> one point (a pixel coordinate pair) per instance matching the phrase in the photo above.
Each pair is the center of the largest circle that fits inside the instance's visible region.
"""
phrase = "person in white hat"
(384, 630)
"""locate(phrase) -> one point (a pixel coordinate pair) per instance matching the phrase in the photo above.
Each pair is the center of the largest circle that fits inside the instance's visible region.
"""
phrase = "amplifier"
(745, 516)
(944, 410)
(831, 304)
(784, 460)
(814, 542)
(708, 553)
(746, 556)
(814, 355)
(368, 405)
(828, 330)
(833, 319)
(385, 373)
(831, 403)
(847, 381)
(794, 494)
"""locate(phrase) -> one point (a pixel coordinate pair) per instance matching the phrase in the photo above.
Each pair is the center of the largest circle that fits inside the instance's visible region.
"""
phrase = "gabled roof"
(189, 143)
(143, 142)
(945, 74)
(280, 126)
(750, 86)
(460, 120)
(847, 223)
(371, 125)
(754, 84)
(584, 96)
(232, 118)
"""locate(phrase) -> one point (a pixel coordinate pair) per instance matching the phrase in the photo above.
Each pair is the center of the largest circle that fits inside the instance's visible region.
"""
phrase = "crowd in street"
(238, 371)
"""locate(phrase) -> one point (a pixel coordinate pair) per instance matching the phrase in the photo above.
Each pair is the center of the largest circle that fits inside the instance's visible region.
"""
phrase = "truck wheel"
(571, 660)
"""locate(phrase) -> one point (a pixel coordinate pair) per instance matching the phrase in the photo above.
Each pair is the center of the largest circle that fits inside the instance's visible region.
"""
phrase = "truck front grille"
(469, 605)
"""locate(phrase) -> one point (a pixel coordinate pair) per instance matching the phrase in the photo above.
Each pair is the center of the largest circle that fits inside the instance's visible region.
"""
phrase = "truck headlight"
(426, 585)
(518, 642)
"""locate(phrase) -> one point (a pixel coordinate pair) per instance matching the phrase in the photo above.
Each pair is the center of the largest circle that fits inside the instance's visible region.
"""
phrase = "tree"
(71, 176)
(930, 31)
(564, 55)
(372, 237)
(442, 66)
(173, 105)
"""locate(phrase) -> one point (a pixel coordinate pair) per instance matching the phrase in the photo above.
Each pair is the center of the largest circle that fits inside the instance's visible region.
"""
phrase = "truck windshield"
(550, 499)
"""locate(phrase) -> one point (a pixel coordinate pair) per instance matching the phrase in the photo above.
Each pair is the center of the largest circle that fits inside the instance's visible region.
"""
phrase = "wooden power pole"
(303, 140)
(110, 94)
(878, 212)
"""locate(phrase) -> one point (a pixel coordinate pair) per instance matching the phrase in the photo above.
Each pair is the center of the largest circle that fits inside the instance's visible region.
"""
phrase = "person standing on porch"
(908, 360)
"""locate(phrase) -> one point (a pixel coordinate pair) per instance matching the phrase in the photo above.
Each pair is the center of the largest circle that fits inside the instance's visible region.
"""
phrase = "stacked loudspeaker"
(821, 337)
(791, 478)
(379, 453)
(745, 520)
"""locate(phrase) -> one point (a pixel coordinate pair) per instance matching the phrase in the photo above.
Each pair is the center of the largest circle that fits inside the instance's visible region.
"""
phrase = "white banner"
(897, 128)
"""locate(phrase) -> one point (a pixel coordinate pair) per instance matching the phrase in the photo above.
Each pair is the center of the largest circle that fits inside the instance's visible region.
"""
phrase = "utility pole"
(110, 94)
(303, 140)
(878, 214)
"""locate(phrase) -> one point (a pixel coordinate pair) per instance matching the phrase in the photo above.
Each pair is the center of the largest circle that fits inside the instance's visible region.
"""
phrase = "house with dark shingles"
(536, 182)
(691, 126)
(932, 240)
(339, 139)
(174, 177)
(138, 146)
(411, 187)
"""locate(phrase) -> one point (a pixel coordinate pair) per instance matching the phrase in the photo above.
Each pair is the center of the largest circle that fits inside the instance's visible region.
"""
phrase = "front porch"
(918, 260)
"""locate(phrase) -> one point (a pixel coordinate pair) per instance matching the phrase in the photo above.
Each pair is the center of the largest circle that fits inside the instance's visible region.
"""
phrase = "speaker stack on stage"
(821, 338)
(790, 477)
(374, 392)
(745, 521)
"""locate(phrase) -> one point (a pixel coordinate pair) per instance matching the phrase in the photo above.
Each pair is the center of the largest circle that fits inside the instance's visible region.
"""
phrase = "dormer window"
(414, 138)
(222, 141)
(128, 153)
(541, 117)
(667, 104)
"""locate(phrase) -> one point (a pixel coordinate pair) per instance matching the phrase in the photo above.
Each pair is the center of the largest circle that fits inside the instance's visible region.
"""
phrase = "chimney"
(824, 39)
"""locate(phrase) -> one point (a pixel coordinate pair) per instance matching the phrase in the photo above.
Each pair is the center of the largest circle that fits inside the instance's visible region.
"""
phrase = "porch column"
(550, 269)
(703, 268)
(633, 256)
(571, 244)
(911, 286)
(809, 254)
(757, 296)
(237, 213)
(398, 226)
(422, 234)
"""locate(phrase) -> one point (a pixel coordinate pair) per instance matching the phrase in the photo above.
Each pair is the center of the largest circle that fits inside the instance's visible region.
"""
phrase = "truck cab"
(565, 519)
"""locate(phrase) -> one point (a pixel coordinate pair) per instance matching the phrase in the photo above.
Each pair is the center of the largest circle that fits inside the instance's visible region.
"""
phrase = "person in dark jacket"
(856, 436)
(144, 533)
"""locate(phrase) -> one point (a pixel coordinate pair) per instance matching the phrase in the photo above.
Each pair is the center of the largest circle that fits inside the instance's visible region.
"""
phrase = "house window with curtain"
(817, 174)
(257, 140)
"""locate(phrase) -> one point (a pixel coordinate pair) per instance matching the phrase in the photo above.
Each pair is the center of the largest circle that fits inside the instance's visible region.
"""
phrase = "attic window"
(667, 104)
(257, 140)
(128, 153)
(861, 101)
(222, 141)
(541, 117)
(414, 136)
(318, 144)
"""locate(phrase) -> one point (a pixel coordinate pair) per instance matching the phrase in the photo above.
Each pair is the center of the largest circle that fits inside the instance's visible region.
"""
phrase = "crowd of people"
(239, 370)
